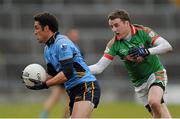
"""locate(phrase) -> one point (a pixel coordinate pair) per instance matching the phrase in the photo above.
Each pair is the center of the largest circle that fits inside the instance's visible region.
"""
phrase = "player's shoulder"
(61, 42)
(143, 28)
(110, 42)
(62, 39)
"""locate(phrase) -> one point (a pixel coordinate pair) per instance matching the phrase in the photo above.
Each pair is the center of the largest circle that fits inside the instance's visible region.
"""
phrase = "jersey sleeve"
(151, 35)
(110, 51)
(65, 57)
(64, 51)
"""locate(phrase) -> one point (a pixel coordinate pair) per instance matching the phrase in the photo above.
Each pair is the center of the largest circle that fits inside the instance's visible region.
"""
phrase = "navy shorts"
(85, 91)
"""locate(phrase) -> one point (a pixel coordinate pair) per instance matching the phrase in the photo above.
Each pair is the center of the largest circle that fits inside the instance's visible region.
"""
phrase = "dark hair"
(47, 19)
(122, 14)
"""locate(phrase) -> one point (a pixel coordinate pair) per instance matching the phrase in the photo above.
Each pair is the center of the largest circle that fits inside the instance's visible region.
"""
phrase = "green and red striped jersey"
(141, 37)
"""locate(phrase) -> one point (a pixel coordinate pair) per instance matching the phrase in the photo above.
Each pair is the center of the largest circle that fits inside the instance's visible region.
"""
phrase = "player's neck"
(52, 37)
(51, 34)
(128, 36)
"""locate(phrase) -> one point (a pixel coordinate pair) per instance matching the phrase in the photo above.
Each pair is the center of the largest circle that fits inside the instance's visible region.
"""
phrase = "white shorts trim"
(142, 91)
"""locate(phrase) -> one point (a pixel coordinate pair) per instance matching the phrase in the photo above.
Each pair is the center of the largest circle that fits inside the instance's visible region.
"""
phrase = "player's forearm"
(161, 46)
(95, 69)
(58, 79)
(100, 66)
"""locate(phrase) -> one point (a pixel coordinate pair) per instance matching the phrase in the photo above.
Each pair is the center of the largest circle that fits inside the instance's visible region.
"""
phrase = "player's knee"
(154, 103)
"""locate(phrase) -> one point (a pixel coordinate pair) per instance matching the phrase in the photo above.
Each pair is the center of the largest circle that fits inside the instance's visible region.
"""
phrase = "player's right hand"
(38, 85)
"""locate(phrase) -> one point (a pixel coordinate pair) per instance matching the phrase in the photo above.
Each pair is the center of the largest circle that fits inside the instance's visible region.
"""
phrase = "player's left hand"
(138, 52)
(38, 85)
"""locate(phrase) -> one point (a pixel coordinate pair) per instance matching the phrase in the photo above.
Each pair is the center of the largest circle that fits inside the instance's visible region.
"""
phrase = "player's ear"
(127, 23)
(46, 28)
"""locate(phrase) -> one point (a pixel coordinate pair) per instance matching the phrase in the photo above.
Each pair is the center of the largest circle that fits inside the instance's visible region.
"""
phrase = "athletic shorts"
(158, 78)
(89, 91)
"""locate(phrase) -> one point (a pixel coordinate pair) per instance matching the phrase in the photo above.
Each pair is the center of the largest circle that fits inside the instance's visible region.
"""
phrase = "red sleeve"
(108, 56)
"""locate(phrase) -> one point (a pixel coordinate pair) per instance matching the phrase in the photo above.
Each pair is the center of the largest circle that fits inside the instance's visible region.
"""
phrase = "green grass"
(106, 110)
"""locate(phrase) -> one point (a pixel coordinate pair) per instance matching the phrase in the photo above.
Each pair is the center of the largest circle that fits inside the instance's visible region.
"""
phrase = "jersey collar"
(52, 39)
(133, 29)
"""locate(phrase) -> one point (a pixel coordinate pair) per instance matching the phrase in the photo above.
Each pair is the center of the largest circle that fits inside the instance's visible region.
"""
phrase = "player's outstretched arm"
(100, 65)
(103, 62)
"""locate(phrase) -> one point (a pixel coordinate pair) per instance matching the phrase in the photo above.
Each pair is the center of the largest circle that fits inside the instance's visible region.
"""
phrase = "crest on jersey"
(64, 47)
(123, 51)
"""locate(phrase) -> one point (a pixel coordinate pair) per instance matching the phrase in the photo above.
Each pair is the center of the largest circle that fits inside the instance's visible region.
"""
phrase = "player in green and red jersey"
(138, 47)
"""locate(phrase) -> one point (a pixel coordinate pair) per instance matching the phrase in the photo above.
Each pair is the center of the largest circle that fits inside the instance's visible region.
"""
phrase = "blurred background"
(18, 46)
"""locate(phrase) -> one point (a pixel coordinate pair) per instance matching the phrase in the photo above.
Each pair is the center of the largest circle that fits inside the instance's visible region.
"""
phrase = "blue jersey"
(58, 49)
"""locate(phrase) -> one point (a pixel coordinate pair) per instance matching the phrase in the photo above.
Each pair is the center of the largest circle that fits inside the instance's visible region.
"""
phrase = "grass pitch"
(104, 110)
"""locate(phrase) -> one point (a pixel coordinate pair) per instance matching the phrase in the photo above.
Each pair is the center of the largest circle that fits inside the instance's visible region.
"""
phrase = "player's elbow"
(169, 48)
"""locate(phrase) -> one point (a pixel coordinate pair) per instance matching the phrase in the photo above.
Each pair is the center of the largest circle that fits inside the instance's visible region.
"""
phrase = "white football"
(33, 71)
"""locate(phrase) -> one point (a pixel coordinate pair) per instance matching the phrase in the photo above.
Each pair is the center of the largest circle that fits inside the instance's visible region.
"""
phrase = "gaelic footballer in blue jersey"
(65, 65)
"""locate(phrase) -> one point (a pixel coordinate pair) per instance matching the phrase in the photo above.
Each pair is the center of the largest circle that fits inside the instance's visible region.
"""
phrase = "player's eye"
(116, 25)
(111, 26)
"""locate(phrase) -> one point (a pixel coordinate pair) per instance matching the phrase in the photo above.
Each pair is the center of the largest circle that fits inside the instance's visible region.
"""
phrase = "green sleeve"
(111, 51)
(150, 36)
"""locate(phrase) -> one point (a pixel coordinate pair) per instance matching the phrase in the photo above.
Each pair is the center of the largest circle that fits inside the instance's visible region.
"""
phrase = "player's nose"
(35, 33)
(114, 29)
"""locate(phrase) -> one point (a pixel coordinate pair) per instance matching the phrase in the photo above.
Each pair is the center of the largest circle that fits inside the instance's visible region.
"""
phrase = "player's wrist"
(44, 84)
(147, 52)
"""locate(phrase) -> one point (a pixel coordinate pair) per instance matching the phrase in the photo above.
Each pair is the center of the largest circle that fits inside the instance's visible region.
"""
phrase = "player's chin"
(40, 41)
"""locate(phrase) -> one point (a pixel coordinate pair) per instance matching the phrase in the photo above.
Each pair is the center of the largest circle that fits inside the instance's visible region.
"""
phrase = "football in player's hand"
(35, 72)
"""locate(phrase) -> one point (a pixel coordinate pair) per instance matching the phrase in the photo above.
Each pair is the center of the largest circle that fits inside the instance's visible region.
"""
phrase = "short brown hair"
(122, 14)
